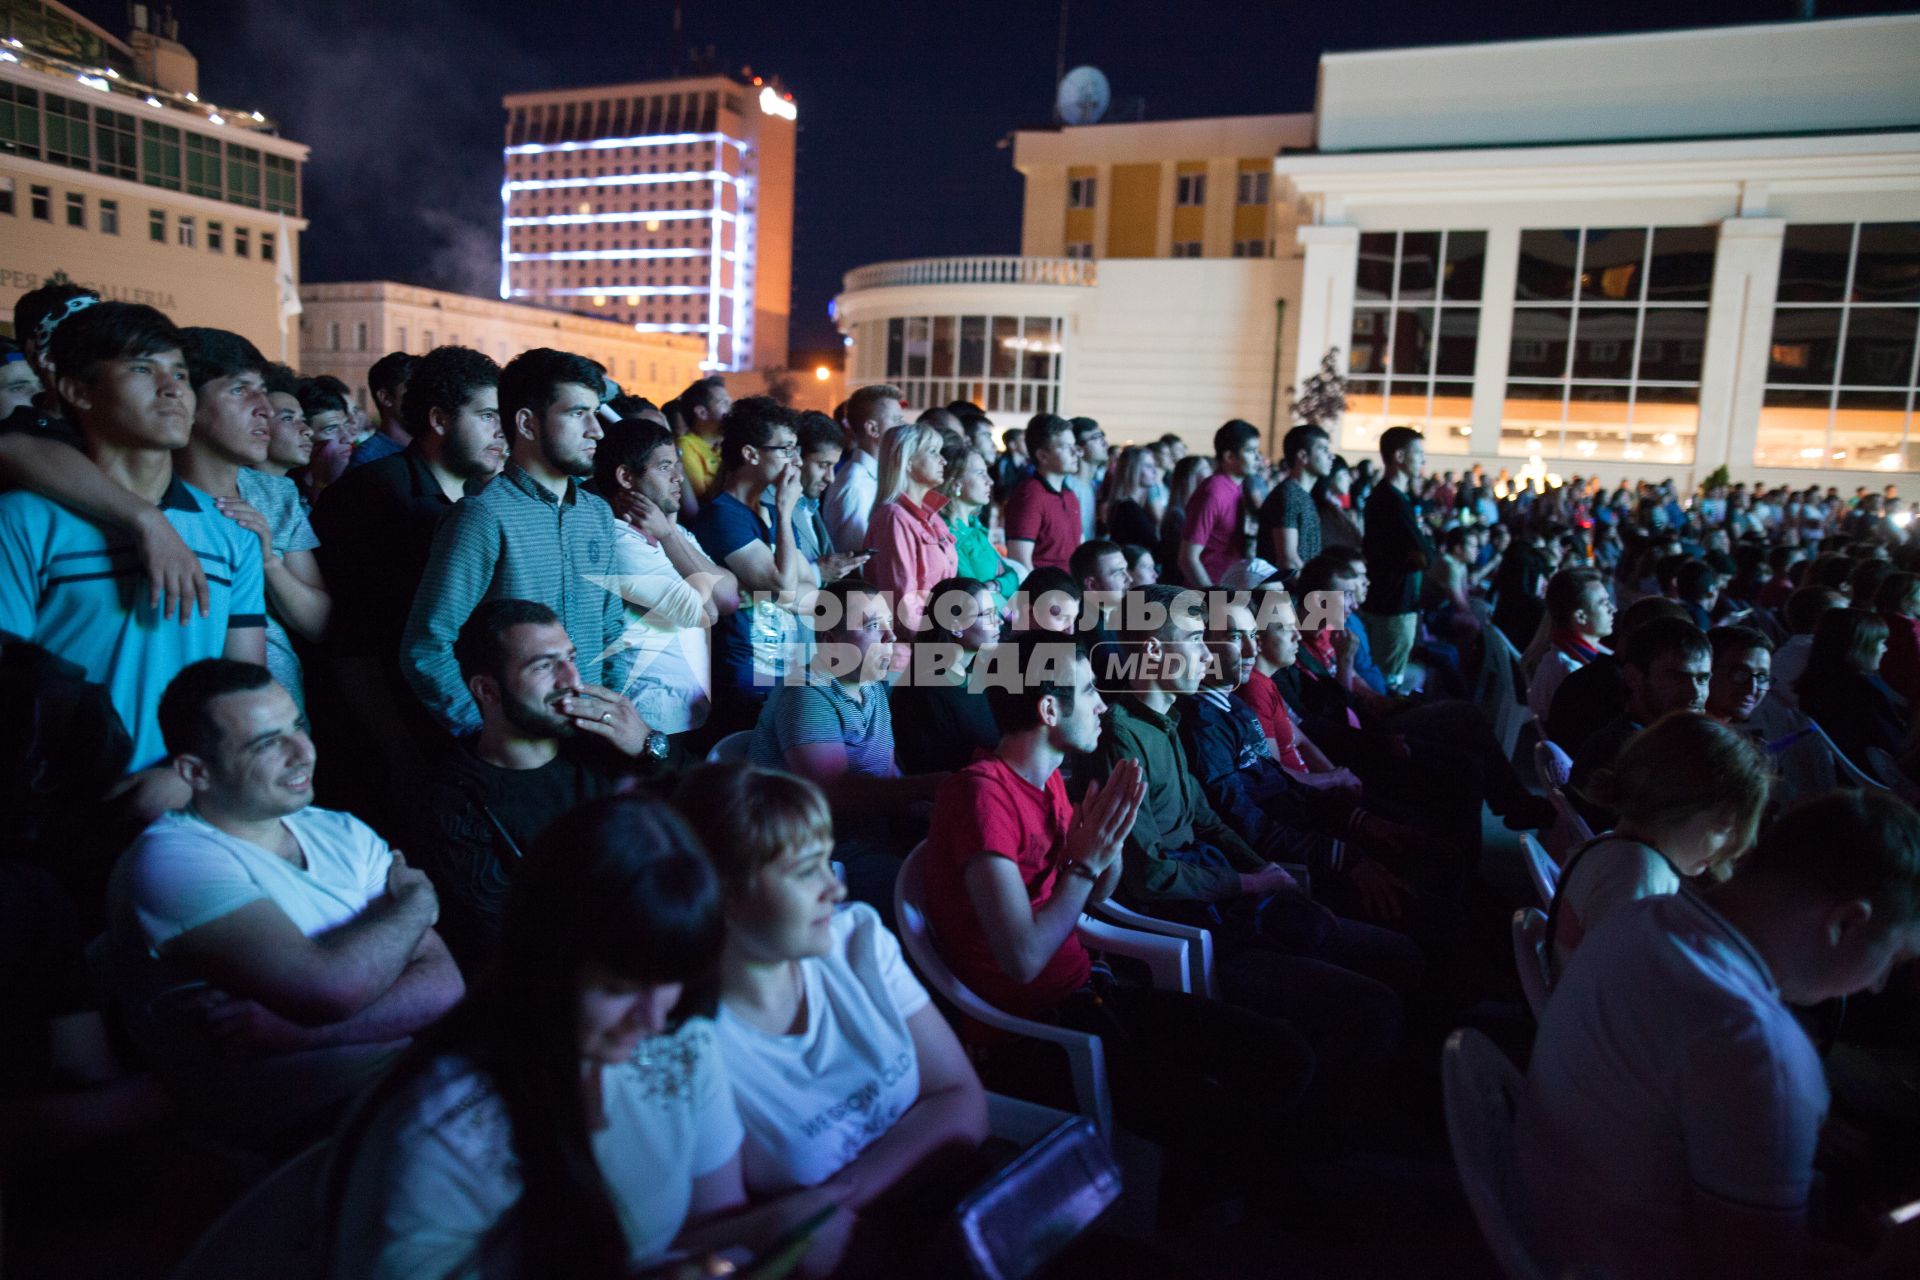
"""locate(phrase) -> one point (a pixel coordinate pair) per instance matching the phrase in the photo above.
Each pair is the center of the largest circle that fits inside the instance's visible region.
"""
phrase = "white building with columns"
(1619, 256)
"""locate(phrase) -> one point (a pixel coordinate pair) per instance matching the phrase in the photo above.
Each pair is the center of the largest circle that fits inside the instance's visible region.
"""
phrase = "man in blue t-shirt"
(74, 586)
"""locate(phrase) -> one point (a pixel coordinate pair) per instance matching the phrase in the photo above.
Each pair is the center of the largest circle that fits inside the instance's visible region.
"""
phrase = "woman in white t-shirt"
(843, 1070)
(1689, 792)
(574, 1117)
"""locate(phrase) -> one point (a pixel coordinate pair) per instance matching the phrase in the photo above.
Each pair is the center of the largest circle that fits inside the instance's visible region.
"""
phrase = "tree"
(1324, 397)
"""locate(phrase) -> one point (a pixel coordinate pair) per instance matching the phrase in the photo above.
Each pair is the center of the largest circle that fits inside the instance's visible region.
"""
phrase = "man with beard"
(548, 741)
(532, 534)
(1737, 696)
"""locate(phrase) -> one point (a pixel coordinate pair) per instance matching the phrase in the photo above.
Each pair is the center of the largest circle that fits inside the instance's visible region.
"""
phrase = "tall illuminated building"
(666, 205)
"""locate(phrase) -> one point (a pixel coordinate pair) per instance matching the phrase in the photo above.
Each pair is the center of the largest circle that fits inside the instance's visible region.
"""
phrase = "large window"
(115, 143)
(19, 120)
(203, 167)
(67, 129)
(160, 155)
(283, 185)
(1416, 326)
(1080, 192)
(243, 175)
(1609, 329)
(1005, 364)
(1841, 367)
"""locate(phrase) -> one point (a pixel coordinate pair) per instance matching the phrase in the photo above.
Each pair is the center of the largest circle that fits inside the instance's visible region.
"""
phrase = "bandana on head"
(43, 333)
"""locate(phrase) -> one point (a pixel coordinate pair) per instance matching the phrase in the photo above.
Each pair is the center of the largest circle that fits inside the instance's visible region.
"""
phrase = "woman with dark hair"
(1841, 688)
(939, 722)
(1897, 599)
(1339, 515)
(1188, 475)
(573, 1117)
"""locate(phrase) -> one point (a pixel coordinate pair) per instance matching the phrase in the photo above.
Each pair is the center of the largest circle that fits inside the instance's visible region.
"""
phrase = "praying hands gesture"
(1103, 820)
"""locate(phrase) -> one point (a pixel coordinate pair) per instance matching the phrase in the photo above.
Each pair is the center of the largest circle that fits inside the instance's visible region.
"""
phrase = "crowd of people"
(662, 700)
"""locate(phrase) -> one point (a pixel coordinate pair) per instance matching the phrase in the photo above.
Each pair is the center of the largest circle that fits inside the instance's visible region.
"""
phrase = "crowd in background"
(670, 707)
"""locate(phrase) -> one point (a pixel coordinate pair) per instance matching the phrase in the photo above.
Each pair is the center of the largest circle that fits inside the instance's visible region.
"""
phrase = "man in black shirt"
(1398, 551)
(547, 742)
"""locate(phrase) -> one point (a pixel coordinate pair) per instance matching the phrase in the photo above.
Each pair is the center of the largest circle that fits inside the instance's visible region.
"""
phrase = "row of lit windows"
(186, 230)
(1083, 250)
(78, 135)
(1189, 190)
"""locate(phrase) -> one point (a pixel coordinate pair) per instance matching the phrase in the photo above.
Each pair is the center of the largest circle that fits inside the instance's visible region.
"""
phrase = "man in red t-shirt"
(1216, 535)
(1010, 866)
(1043, 513)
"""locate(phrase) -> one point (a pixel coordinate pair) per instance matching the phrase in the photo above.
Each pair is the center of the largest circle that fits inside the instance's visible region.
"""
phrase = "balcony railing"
(983, 270)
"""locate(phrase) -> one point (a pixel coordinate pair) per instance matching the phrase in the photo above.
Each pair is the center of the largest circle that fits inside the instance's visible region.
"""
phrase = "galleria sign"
(25, 281)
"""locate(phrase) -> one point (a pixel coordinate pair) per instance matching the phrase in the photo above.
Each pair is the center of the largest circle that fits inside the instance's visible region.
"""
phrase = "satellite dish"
(1083, 96)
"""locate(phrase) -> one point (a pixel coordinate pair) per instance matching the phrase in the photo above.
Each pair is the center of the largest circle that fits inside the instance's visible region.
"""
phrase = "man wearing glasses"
(753, 647)
(1737, 697)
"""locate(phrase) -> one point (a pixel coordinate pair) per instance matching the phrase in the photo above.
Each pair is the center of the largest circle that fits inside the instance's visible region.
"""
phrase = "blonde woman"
(912, 546)
(1689, 792)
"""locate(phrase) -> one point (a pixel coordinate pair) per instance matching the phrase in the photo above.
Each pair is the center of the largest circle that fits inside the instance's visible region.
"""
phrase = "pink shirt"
(913, 551)
(1214, 524)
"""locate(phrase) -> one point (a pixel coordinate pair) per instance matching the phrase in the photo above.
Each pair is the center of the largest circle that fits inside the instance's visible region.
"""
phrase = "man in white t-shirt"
(1673, 1102)
(272, 957)
(1580, 615)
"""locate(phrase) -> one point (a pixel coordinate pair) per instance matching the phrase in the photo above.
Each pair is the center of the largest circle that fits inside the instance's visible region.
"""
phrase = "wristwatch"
(1081, 869)
(656, 745)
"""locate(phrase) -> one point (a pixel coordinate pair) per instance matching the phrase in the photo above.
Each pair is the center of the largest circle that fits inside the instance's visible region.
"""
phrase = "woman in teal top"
(969, 489)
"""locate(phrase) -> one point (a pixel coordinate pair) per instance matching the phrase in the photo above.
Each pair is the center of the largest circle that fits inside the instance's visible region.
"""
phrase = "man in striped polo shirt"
(532, 534)
(74, 586)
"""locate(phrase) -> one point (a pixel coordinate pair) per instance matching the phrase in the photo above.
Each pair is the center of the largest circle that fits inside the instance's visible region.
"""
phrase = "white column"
(1330, 257)
(1163, 211)
(1746, 278)
(1495, 344)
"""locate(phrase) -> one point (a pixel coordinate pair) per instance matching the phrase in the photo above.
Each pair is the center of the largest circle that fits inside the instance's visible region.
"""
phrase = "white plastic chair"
(274, 1230)
(1569, 828)
(1482, 1092)
(1551, 762)
(735, 748)
(1530, 956)
(1848, 769)
(1199, 942)
(1165, 956)
(1541, 868)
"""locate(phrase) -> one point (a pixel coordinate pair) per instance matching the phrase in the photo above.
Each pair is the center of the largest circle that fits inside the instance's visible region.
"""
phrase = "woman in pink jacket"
(912, 547)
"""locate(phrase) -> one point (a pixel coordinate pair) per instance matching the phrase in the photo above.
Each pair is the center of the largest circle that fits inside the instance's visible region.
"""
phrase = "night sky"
(901, 104)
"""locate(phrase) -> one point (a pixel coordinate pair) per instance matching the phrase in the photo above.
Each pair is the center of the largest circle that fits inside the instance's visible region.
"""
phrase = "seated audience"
(704, 405)
(752, 646)
(1739, 696)
(1580, 614)
(231, 436)
(817, 1006)
(547, 742)
(271, 957)
(912, 547)
(1689, 793)
(871, 412)
(574, 1117)
(123, 382)
(533, 533)
(1591, 696)
(941, 718)
(1666, 666)
(1043, 511)
(1010, 866)
(1048, 600)
(1841, 689)
(1100, 567)
(969, 490)
(674, 594)
(1673, 1103)
(1898, 601)
(1802, 615)
(822, 444)
(1142, 569)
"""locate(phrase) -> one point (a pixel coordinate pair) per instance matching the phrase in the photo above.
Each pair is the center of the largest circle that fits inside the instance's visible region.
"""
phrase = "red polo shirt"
(1049, 520)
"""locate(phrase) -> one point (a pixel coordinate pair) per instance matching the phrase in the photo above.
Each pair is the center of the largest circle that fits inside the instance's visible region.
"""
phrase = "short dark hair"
(36, 305)
(943, 589)
(333, 386)
(1044, 429)
(219, 353)
(1725, 640)
(1159, 597)
(1660, 637)
(752, 421)
(391, 372)
(817, 431)
(1845, 845)
(186, 719)
(1694, 581)
(1318, 573)
(1083, 427)
(841, 591)
(1233, 436)
(1051, 577)
(701, 394)
(1301, 439)
(1844, 637)
(282, 381)
(107, 331)
(1085, 560)
(627, 443)
(317, 397)
(1394, 439)
(1642, 611)
(1804, 607)
(1896, 591)
(1043, 665)
(532, 381)
(1011, 434)
(863, 403)
(479, 648)
(1566, 592)
(443, 379)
